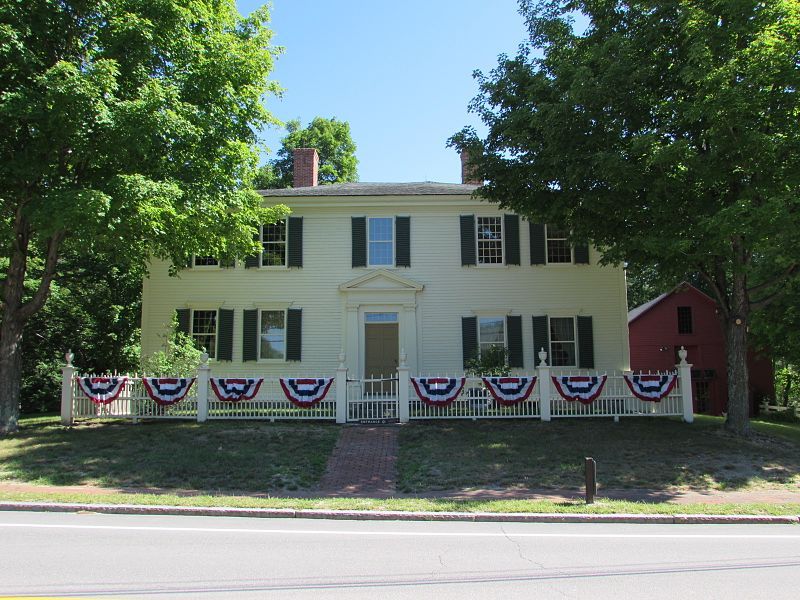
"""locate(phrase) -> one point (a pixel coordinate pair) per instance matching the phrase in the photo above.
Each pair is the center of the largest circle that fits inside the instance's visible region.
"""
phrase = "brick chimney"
(306, 167)
(467, 172)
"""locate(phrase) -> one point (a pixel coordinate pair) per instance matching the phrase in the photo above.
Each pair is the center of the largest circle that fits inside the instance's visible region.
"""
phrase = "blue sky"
(399, 72)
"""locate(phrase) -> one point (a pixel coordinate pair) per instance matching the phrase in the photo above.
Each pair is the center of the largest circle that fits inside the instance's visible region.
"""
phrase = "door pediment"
(381, 280)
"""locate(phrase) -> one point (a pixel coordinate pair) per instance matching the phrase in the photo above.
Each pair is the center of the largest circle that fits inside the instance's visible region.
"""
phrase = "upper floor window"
(491, 333)
(562, 342)
(205, 261)
(684, 319)
(204, 330)
(490, 240)
(272, 334)
(381, 241)
(273, 242)
(559, 249)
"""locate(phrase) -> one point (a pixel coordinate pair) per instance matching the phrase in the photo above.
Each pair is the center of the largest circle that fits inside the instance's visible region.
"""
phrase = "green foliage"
(492, 361)
(787, 384)
(666, 134)
(335, 146)
(180, 356)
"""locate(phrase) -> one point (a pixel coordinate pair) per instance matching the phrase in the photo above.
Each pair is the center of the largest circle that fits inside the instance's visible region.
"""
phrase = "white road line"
(715, 536)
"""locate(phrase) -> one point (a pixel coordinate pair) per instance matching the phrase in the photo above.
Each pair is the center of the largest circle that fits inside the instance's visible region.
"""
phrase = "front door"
(381, 353)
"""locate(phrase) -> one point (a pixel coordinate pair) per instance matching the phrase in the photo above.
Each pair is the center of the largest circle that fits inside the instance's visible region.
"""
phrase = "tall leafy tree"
(665, 133)
(127, 129)
(336, 148)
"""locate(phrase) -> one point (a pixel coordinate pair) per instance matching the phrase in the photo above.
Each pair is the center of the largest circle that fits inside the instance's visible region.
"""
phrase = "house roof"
(637, 312)
(422, 188)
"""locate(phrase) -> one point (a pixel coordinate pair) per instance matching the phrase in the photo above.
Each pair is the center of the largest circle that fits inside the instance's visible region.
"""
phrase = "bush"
(180, 357)
(492, 361)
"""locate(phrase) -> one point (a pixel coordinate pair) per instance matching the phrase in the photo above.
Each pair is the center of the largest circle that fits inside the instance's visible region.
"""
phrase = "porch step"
(363, 463)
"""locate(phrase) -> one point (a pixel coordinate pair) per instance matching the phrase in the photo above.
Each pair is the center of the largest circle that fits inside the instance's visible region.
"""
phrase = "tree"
(127, 129)
(331, 138)
(665, 134)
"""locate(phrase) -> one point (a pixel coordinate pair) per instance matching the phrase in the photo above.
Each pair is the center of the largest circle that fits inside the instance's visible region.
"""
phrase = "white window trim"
(392, 264)
(574, 341)
(547, 250)
(505, 332)
(205, 308)
(284, 310)
(502, 262)
(285, 264)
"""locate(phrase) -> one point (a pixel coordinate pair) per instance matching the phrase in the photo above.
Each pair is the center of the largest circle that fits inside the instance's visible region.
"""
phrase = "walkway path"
(363, 463)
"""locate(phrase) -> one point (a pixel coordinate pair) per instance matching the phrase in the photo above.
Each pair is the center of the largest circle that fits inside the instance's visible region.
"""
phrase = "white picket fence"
(385, 399)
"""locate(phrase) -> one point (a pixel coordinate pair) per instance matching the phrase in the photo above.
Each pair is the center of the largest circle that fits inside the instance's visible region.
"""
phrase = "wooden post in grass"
(341, 390)
(67, 373)
(402, 389)
(544, 386)
(203, 376)
(685, 375)
(590, 472)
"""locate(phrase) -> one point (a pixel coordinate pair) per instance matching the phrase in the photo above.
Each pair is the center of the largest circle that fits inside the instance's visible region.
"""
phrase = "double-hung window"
(381, 241)
(273, 243)
(490, 240)
(559, 249)
(562, 342)
(272, 335)
(685, 319)
(204, 330)
(491, 334)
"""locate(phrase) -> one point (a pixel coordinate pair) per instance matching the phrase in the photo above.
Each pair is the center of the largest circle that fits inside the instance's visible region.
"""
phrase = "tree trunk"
(738, 420)
(10, 372)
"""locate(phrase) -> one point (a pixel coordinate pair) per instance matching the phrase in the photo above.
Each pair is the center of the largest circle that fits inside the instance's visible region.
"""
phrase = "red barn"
(687, 317)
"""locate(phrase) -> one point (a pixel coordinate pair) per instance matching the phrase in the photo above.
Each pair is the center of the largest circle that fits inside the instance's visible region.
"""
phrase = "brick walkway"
(363, 463)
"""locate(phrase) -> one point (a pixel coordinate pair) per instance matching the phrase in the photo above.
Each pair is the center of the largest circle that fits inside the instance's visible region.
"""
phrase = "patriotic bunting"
(102, 390)
(229, 389)
(438, 391)
(166, 391)
(579, 387)
(651, 388)
(508, 391)
(305, 392)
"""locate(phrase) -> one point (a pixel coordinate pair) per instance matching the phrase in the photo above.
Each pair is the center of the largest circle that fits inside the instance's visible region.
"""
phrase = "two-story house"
(376, 269)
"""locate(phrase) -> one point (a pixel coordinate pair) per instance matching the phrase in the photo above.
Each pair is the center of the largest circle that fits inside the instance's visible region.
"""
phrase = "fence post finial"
(542, 358)
(342, 358)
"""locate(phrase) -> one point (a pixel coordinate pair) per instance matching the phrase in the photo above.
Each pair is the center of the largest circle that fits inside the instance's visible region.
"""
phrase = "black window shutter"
(541, 338)
(183, 315)
(225, 335)
(402, 241)
(511, 231)
(359, 225)
(252, 262)
(469, 338)
(514, 338)
(468, 242)
(582, 254)
(294, 333)
(585, 343)
(250, 335)
(295, 242)
(538, 245)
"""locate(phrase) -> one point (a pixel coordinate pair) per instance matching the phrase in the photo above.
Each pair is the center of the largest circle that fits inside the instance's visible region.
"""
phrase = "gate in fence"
(373, 400)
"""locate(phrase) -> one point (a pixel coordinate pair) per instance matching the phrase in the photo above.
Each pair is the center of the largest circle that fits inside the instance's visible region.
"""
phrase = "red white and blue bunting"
(651, 388)
(102, 390)
(508, 391)
(229, 389)
(305, 392)
(438, 391)
(584, 389)
(166, 391)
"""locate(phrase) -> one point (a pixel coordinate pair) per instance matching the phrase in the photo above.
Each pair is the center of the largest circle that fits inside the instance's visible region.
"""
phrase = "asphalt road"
(93, 555)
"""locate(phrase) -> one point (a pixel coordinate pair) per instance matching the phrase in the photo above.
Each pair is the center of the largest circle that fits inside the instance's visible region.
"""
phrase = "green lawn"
(655, 454)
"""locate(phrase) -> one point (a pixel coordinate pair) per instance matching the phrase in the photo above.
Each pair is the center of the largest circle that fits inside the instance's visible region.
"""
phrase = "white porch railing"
(382, 399)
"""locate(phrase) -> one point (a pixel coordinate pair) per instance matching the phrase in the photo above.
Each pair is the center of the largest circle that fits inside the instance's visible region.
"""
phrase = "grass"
(226, 463)
(248, 457)
(657, 455)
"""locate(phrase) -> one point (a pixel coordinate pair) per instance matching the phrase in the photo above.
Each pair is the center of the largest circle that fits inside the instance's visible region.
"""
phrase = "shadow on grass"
(249, 457)
(651, 458)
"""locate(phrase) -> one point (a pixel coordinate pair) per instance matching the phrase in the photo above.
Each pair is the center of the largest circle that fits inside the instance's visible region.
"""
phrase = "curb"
(366, 515)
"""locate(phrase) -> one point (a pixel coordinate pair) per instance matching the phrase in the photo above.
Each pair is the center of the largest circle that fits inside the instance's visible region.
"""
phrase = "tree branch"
(35, 304)
(782, 278)
(717, 283)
